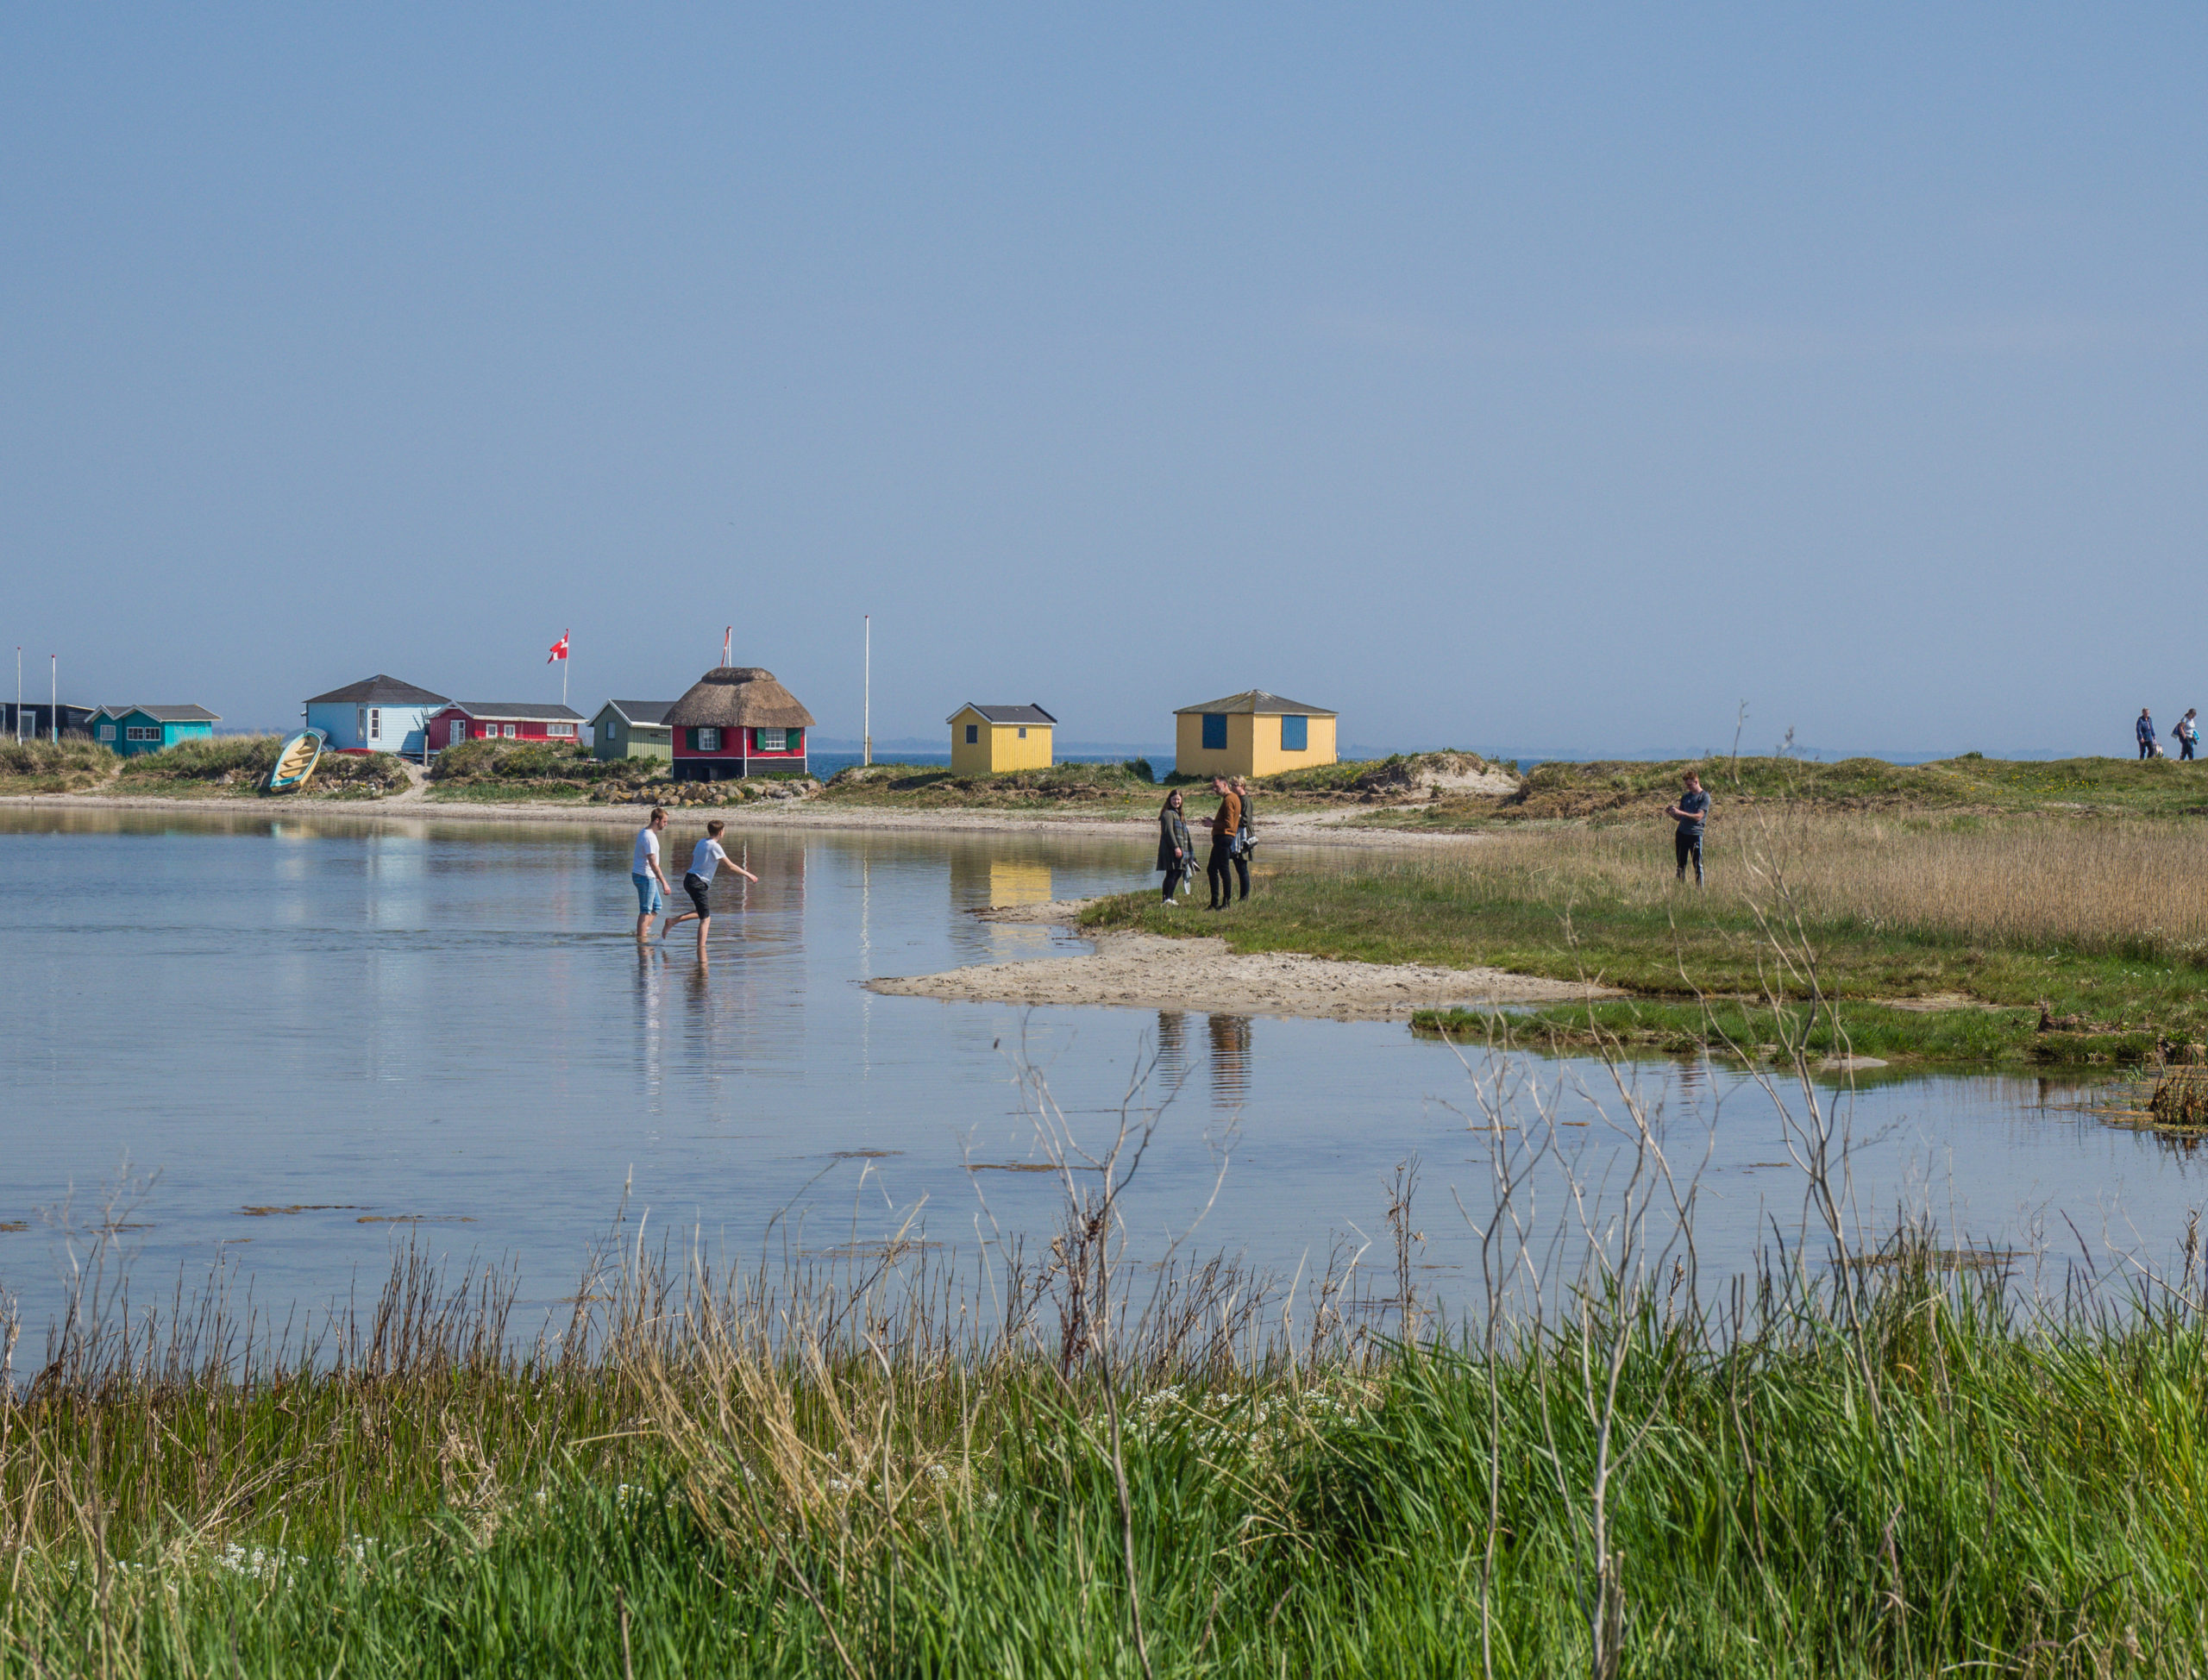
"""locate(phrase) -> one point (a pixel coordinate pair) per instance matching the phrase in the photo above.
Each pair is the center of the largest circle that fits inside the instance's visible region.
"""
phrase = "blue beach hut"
(381, 715)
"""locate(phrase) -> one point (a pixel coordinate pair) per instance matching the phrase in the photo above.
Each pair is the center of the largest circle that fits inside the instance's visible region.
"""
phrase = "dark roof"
(522, 711)
(738, 697)
(164, 714)
(642, 711)
(1256, 700)
(379, 690)
(1004, 714)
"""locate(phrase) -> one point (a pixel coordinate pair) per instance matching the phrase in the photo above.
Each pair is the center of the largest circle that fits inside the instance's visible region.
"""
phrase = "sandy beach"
(1134, 970)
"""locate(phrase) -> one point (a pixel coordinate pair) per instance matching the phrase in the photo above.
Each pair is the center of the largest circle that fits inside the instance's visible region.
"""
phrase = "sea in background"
(276, 1047)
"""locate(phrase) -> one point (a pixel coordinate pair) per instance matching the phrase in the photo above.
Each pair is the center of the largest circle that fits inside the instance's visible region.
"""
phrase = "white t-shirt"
(646, 852)
(704, 855)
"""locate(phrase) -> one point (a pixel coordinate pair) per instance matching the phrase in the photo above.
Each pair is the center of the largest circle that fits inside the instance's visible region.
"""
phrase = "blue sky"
(1551, 379)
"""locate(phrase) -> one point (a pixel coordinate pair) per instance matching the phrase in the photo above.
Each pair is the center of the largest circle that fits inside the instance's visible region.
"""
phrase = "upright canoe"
(295, 762)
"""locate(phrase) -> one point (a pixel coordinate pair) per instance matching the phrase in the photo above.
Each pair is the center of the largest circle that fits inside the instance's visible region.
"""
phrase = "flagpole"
(53, 711)
(866, 705)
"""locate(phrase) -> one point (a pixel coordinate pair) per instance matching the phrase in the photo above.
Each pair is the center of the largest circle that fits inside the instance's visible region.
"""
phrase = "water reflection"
(1230, 1060)
(1172, 1048)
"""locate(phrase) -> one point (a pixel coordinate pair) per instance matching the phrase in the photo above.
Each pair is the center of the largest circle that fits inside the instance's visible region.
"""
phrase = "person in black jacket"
(1176, 853)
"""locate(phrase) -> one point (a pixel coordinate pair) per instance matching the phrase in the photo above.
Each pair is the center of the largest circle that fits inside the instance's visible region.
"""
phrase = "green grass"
(1111, 790)
(236, 765)
(1615, 790)
(1952, 1037)
(1964, 1489)
(1551, 911)
(54, 766)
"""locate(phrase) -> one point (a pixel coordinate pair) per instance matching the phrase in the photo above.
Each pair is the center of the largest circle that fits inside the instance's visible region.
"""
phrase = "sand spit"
(1302, 827)
(1132, 970)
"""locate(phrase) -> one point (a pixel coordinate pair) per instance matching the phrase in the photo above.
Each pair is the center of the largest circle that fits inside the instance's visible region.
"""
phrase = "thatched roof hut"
(738, 697)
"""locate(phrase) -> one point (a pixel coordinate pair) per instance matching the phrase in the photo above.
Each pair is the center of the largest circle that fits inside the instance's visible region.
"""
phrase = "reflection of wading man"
(1690, 814)
(698, 881)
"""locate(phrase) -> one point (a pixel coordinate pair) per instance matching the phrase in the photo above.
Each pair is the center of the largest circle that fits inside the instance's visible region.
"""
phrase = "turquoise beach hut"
(132, 729)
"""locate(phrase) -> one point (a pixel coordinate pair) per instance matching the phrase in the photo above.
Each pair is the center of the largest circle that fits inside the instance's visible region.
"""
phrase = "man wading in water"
(644, 872)
(698, 882)
(1690, 814)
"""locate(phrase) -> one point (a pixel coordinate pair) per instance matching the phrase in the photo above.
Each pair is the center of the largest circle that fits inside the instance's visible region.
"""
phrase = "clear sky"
(1547, 377)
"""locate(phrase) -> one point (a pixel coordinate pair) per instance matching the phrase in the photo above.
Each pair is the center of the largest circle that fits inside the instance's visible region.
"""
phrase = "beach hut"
(632, 729)
(988, 740)
(494, 720)
(380, 715)
(737, 721)
(1252, 734)
(132, 729)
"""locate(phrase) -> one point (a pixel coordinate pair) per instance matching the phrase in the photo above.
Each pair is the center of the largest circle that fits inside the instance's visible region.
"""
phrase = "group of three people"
(705, 857)
(1230, 842)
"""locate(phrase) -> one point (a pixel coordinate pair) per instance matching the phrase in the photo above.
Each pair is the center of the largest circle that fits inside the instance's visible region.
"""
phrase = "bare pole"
(866, 704)
(53, 711)
(19, 691)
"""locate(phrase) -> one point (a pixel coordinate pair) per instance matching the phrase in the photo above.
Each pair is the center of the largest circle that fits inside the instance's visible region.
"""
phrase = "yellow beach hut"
(989, 740)
(1252, 734)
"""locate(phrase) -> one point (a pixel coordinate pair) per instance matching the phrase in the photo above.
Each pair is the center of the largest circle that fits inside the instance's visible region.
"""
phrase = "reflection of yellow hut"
(1019, 883)
(1252, 734)
(988, 740)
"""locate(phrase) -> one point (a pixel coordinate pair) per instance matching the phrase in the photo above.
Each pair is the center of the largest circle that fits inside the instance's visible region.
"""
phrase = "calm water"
(385, 1022)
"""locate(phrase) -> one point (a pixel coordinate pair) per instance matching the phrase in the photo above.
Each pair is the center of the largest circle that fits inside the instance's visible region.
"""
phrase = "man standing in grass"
(2144, 729)
(698, 882)
(1690, 814)
(644, 872)
(1226, 823)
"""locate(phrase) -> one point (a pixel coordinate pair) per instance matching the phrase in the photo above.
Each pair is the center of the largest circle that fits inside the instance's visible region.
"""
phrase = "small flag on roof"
(559, 648)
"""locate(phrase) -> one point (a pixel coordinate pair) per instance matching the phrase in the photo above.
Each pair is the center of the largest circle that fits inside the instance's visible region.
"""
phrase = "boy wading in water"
(644, 874)
(1690, 813)
(698, 881)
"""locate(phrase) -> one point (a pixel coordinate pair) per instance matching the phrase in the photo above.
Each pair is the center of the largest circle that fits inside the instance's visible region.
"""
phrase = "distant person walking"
(2144, 729)
(2187, 732)
(1690, 813)
(1176, 852)
(1226, 824)
(644, 872)
(1245, 837)
(698, 881)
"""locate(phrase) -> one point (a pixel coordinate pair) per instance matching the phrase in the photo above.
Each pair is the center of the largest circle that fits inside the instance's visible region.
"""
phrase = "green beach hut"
(132, 729)
(632, 729)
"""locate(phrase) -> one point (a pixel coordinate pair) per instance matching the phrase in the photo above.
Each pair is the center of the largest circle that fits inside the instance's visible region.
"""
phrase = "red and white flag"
(559, 648)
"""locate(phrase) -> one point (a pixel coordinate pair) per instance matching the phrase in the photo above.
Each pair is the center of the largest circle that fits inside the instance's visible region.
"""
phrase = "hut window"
(107, 731)
(1023, 731)
(1214, 731)
(137, 732)
(973, 733)
(1294, 734)
(704, 740)
(774, 740)
(375, 723)
(565, 729)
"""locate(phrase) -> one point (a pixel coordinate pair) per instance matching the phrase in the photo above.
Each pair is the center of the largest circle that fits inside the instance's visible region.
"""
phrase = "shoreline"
(1329, 828)
(1128, 969)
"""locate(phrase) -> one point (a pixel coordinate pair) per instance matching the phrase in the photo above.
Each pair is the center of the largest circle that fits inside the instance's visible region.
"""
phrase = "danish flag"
(559, 648)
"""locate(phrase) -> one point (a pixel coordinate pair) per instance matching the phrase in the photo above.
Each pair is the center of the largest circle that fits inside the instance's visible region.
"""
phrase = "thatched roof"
(738, 697)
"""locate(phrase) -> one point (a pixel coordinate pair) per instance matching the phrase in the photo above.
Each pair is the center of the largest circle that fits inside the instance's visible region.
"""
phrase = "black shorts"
(701, 892)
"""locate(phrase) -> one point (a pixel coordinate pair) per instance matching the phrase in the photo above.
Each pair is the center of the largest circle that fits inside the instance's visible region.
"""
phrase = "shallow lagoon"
(445, 1032)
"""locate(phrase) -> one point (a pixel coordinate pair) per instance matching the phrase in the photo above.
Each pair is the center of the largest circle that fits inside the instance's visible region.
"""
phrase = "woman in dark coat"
(1176, 853)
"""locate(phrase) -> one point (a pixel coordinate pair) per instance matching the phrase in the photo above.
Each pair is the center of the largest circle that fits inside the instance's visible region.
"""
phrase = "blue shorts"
(648, 899)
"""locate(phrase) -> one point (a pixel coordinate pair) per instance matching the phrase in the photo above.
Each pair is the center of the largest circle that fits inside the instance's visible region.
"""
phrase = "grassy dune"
(238, 765)
(2098, 919)
(54, 766)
